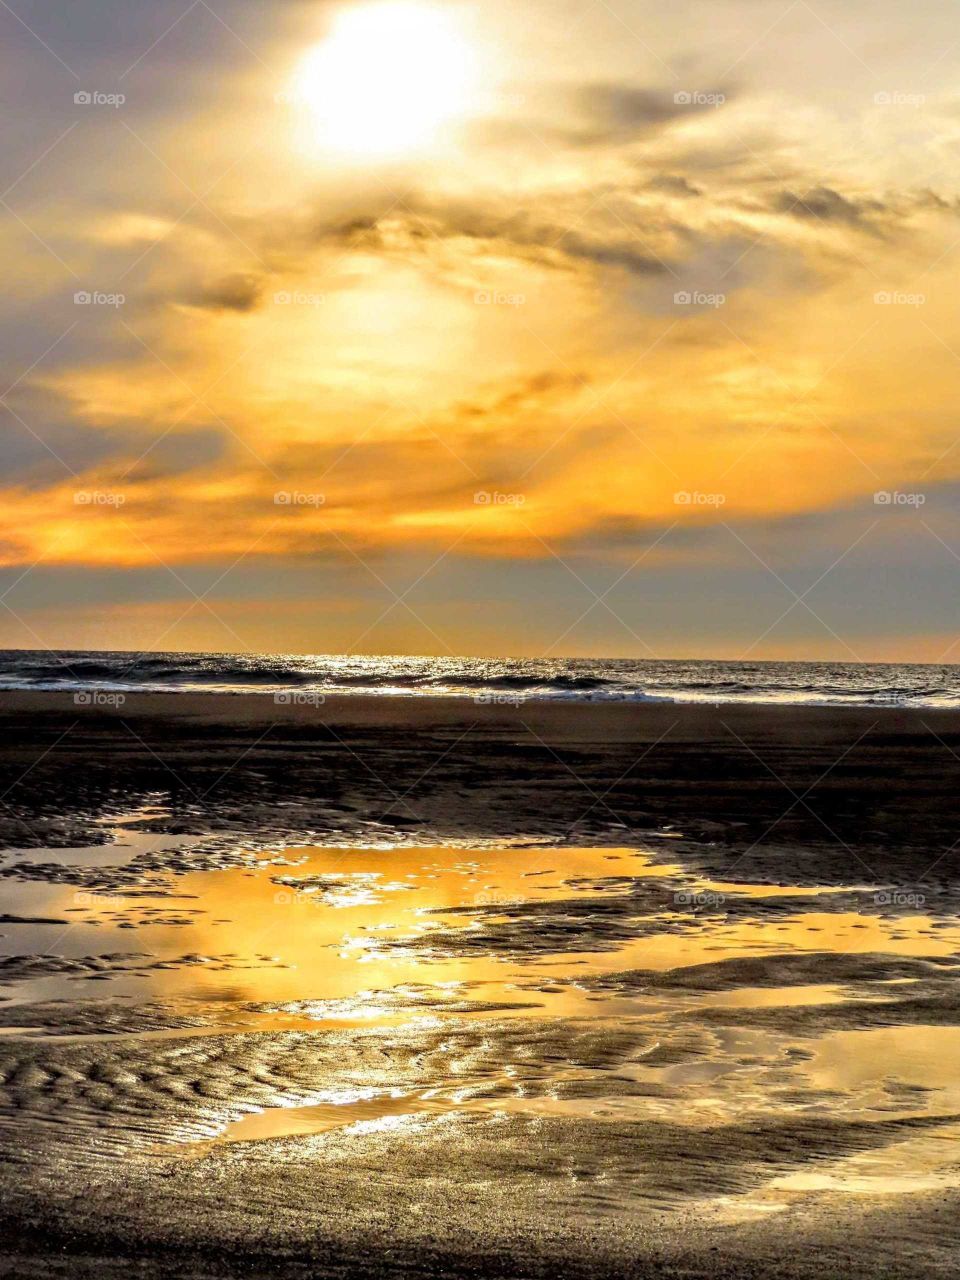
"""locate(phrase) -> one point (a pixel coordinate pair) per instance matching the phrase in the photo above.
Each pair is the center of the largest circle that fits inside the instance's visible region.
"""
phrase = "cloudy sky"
(558, 328)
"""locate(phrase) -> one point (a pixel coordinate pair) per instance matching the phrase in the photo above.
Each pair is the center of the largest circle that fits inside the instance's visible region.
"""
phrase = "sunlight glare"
(387, 79)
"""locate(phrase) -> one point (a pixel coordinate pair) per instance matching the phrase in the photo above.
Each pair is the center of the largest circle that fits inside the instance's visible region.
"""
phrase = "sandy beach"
(430, 986)
(463, 767)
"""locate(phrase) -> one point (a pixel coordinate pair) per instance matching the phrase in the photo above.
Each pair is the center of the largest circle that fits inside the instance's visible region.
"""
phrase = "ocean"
(487, 679)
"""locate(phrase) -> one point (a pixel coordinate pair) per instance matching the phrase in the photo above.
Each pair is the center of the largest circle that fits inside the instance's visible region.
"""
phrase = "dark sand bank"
(447, 768)
(558, 720)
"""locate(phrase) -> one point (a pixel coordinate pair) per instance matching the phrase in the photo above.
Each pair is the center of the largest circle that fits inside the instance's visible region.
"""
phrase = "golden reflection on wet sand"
(383, 937)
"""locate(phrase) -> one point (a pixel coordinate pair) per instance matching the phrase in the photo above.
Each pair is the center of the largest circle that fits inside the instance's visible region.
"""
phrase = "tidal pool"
(314, 989)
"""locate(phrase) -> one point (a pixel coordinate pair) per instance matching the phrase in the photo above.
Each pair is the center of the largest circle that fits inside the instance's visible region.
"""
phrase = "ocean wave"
(580, 679)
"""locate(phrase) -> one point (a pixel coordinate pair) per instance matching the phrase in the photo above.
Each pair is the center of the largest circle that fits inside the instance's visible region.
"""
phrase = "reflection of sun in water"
(387, 78)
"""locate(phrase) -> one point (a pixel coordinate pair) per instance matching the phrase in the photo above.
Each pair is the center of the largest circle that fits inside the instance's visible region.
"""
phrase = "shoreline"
(719, 782)
(567, 718)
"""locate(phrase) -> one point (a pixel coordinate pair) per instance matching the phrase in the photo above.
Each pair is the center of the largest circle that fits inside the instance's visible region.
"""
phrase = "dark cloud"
(41, 446)
(528, 393)
(616, 533)
(544, 241)
(672, 184)
(595, 115)
(237, 292)
(177, 453)
(617, 109)
(616, 113)
(826, 205)
(613, 254)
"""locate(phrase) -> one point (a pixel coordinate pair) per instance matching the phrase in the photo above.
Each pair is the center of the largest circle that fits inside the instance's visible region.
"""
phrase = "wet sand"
(450, 768)
(424, 986)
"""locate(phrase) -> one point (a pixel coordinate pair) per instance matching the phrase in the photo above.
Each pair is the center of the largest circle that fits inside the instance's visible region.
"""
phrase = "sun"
(387, 80)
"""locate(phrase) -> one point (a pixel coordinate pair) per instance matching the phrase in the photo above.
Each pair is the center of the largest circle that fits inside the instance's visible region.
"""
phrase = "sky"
(567, 328)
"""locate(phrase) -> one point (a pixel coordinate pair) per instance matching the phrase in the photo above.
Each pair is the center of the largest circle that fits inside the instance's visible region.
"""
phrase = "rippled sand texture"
(600, 1023)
